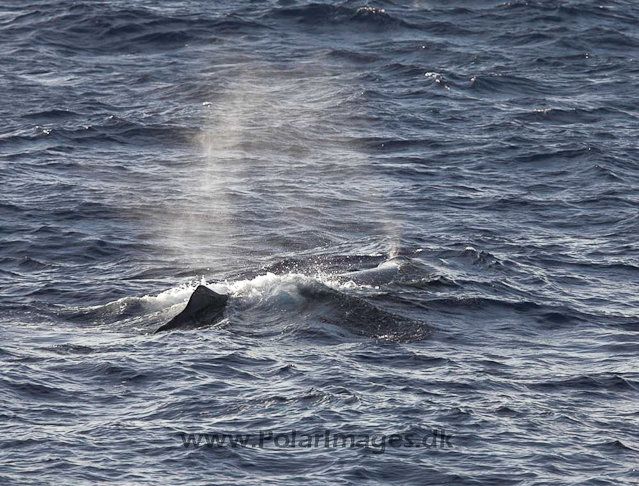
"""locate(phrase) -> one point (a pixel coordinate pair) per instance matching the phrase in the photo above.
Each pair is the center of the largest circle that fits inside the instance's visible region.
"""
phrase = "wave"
(575, 115)
(602, 382)
(53, 114)
(318, 14)
(101, 28)
(511, 84)
(111, 130)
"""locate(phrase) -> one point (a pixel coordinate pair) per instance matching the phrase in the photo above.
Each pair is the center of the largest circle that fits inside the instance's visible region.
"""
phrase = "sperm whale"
(206, 307)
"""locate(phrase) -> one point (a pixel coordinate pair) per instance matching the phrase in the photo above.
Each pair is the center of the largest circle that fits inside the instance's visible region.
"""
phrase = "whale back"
(205, 307)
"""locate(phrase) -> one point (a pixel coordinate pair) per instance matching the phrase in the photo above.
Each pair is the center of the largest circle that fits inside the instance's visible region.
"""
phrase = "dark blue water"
(485, 152)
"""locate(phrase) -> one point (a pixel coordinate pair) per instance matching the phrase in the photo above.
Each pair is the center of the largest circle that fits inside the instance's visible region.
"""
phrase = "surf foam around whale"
(328, 299)
(267, 304)
(295, 298)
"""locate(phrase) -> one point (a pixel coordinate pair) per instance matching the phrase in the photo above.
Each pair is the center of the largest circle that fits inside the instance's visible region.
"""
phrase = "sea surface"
(479, 158)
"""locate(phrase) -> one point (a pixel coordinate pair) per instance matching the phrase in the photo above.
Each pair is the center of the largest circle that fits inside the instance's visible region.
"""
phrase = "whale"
(359, 316)
(355, 314)
(204, 308)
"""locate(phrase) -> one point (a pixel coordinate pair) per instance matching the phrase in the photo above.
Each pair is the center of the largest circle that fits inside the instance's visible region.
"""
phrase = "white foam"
(284, 287)
(170, 297)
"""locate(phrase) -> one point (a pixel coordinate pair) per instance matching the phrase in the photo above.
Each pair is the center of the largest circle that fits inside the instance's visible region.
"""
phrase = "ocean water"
(480, 158)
